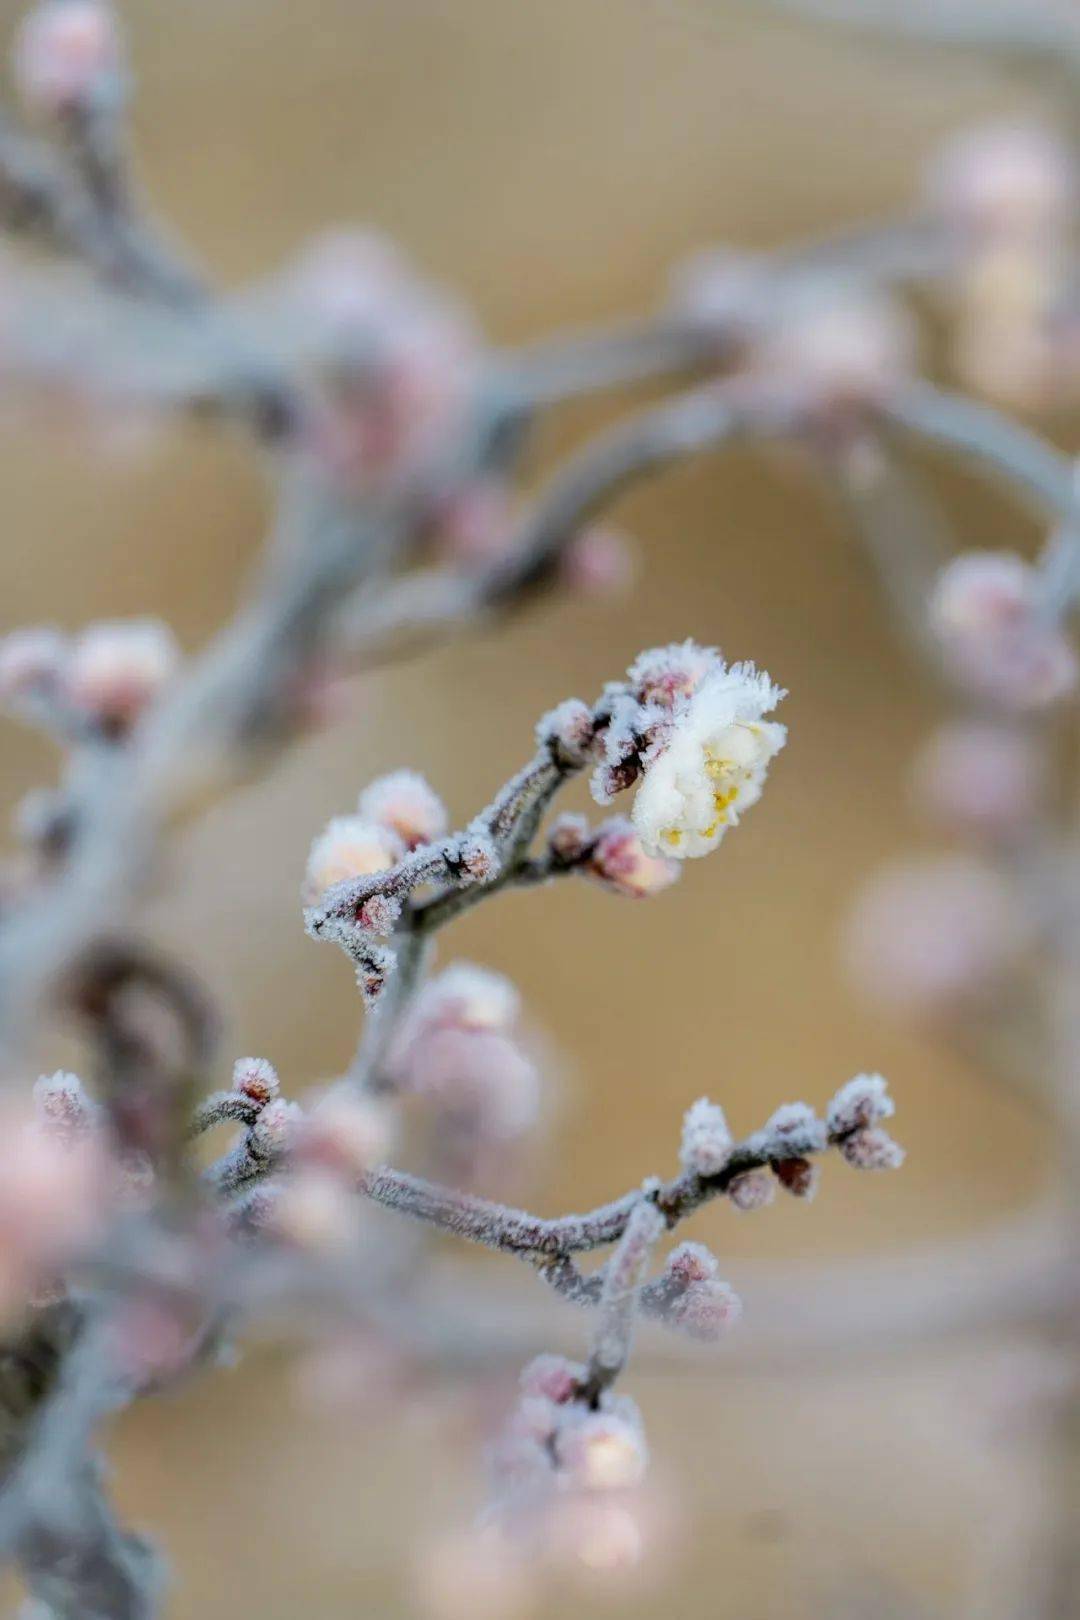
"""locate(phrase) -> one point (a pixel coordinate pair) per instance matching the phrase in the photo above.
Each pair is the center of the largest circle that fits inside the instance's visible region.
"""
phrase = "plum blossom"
(708, 762)
(67, 54)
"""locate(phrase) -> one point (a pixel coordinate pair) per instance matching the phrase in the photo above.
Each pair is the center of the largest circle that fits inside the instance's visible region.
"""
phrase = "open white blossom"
(708, 766)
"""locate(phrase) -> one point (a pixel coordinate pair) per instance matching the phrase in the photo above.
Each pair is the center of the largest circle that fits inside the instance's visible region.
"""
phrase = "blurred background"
(550, 163)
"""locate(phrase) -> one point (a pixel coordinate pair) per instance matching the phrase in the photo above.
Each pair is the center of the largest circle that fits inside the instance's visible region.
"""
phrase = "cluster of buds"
(68, 58)
(94, 685)
(690, 731)
(400, 359)
(998, 640)
(1007, 197)
(691, 1296)
(395, 815)
(461, 1055)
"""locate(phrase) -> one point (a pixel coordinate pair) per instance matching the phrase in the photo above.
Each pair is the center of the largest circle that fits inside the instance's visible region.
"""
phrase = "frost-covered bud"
(347, 1132)
(706, 1141)
(553, 1377)
(843, 355)
(666, 676)
(465, 996)
(710, 764)
(599, 1451)
(792, 1132)
(63, 1106)
(691, 1263)
(863, 1101)
(33, 662)
(1010, 180)
(482, 1072)
(54, 1184)
(569, 837)
(315, 1211)
(872, 1149)
(349, 847)
(256, 1079)
(569, 728)
(478, 857)
(618, 860)
(981, 778)
(983, 610)
(706, 1310)
(274, 1132)
(597, 562)
(117, 668)
(374, 967)
(405, 803)
(927, 935)
(799, 1177)
(754, 1189)
(378, 913)
(68, 55)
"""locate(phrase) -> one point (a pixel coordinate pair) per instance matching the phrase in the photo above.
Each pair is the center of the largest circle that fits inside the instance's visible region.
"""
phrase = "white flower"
(708, 765)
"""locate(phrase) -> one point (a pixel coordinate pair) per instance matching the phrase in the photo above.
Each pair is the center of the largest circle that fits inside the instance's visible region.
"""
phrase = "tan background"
(549, 161)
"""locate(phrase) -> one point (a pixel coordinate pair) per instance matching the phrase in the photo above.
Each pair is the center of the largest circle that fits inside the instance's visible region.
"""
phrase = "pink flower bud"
(379, 913)
(479, 857)
(872, 1149)
(706, 1140)
(275, 1129)
(598, 562)
(926, 936)
(465, 996)
(707, 1310)
(620, 862)
(315, 1211)
(480, 1071)
(67, 54)
(754, 1189)
(792, 1131)
(661, 675)
(256, 1079)
(405, 804)
(349, 847)
(980, 778)
(117, 668)
(981, 591)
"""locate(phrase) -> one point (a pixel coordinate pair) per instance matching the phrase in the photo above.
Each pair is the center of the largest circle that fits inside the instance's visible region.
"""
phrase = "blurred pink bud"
(706, 1310)
(1005, 180)
(482, 1071)
(980, 592)
(344, 281)
(551, 1376)
(872, 1149)
(117, 669)
(595, 1535)
(67, 55)
(926, 935)
(465, 996)
(53, 1189)
(983, 779)
(840, 354)
(754, 1189)
(598, 562)
(598, 1451)
(570, 727)
(475, 525)
(472, 1575)
(706, 1140)
(403, 802)
(315, 1211)
(619, 861)
(348, 1132)
(256, 1079)
(349, 847)
(274, 1132)
(151, 1341)
(32, 663)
